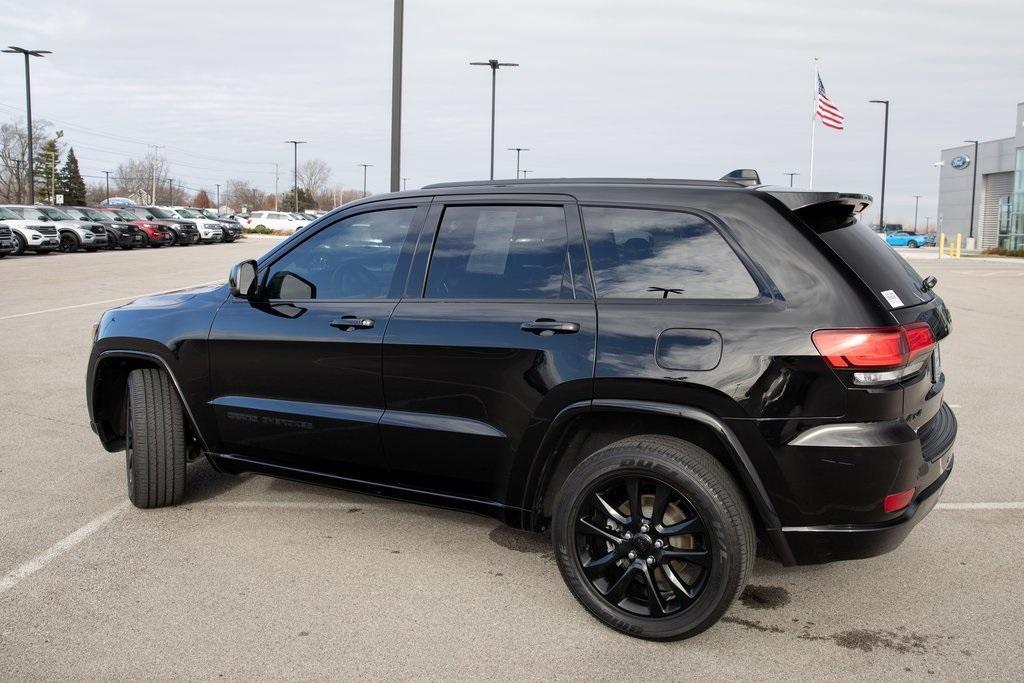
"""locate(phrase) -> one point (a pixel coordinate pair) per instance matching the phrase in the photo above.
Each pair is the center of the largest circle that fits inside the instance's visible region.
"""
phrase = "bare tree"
(136, 176)
(14, 157)
(202, 200)
(314, 174)
(241, 193)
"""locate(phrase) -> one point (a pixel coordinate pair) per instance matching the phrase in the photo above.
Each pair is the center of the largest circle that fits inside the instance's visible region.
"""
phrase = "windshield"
(56, 214)
(160, 213)
(126, 215)
(187, 213)
(28, 212)
(94, 215)
(208, 213)
(7, 214)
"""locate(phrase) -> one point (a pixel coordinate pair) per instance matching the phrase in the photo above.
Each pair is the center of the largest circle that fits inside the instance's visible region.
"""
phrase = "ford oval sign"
(960, 161)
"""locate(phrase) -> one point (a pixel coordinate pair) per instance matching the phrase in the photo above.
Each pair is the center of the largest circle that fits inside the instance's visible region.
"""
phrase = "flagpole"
(814, 108)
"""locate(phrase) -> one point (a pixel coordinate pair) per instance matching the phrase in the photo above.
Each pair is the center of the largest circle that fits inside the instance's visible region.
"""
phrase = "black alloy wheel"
(652, 535)
(69, 243)
(642, 545)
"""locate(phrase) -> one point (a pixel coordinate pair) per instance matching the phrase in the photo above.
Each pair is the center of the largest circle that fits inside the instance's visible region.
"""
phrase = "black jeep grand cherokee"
(663, 372)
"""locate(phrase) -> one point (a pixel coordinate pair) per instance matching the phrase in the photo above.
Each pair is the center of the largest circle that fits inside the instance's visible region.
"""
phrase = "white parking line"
(14, 577)
(1010, 505)
(105, 301)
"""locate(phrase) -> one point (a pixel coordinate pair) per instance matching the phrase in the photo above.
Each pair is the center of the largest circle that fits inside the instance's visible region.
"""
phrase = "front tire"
(69, 242)
(154, 440)
(19, 245)
(653, 537)
(913, 244)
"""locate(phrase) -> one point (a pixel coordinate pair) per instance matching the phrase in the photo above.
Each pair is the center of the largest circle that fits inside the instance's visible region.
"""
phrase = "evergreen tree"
(72, 185)
(287, 202)
(47, 167)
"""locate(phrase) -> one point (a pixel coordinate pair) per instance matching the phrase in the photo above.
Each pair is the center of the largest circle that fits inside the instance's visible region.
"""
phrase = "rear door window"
(501, 252)
(889, 275)
(653, 254)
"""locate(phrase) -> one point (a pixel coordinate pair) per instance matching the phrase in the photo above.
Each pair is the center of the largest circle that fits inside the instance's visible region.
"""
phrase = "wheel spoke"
(588, 528)
(633, 489)
(618, 589)
(600, 566)
(661, 493)
(700, 557)
(610, 511)
(690, 525)
(654, 601)
(684, 592)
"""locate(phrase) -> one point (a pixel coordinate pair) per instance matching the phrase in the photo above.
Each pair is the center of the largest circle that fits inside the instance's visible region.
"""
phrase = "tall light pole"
(791, 177)
(405, 184)
(927, 224)
(885, 151)
(525, 171)
(396, 96)
(28, 109)
(218, 199)
(295, 172)
(365, 166)
(107, 173)
(917, 198)
(495, 65)
(517, 150)
(170, 192)
(974, 189)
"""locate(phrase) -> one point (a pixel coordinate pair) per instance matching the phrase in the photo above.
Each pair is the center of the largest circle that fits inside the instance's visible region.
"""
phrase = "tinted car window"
(643, 254)
(352, 259)
(500, 252)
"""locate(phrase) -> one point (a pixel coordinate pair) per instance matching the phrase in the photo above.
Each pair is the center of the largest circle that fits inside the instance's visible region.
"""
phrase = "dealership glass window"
(355, 258)
(1011, 233)
(644, 254)
(500, 252)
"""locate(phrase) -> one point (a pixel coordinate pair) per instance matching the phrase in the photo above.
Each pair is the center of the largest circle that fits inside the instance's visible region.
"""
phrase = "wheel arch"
(108, 390)
(579, 431)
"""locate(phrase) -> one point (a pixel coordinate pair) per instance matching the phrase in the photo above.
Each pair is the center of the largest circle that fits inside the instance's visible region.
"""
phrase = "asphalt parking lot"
(255, 577)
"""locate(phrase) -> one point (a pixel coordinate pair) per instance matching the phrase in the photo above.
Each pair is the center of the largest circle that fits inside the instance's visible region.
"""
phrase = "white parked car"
(28, 235)
(209, 230)
(72, 234)
(274, 220)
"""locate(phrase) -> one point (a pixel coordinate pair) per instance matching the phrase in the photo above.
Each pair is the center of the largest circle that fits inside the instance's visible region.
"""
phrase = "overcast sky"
(661, 88)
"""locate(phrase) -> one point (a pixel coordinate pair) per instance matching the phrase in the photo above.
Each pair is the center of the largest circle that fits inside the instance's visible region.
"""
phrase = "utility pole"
(365, 166)
(276, 178)
(28, 109)
(927, 224)
(495, 65)
(405, 184)
(218, 198)
(170, 192)
(974, 189)
(525, 171)
(517, 150)
(156, 150)
(885, 152)
(917, 198)
(791, 177)
(53, 183)
(107, 173)
(295, 173)
(396, 95)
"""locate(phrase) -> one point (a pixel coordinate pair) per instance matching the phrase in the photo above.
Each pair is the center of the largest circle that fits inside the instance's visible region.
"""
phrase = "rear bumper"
(924, 463)
(818, 544)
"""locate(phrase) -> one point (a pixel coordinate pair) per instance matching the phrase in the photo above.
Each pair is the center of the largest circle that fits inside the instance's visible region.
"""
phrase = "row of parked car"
(42, 229)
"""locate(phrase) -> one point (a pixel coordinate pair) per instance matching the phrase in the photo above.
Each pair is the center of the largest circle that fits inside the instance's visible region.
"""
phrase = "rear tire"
(913, 245)
(154, 440)
(702, 517)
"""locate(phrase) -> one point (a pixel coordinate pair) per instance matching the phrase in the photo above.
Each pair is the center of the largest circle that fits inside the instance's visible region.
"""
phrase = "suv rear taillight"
(876, 355)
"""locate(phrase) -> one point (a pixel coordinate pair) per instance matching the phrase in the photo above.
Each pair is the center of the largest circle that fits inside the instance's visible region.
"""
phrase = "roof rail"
(584, 181)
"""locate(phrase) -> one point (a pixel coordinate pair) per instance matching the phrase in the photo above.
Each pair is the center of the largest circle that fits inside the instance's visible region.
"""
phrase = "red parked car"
(157, 234)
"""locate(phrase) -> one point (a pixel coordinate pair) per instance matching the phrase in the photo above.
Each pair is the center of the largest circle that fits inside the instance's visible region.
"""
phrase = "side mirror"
(242, 279)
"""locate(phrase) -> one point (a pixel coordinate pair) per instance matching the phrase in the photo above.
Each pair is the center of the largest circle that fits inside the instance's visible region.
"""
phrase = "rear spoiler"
(803, 200)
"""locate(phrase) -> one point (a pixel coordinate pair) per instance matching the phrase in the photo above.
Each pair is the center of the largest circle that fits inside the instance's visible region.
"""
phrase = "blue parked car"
(905, 239)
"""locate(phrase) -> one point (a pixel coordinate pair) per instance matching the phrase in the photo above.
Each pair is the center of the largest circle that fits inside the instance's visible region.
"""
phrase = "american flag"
(826, 110)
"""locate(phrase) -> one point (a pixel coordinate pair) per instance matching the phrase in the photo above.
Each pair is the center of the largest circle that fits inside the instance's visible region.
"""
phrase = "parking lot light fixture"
(12, 49)
(518, 150)
(525, 171)
(791, 177)
(974, 189)
(365, 166)
(494, 64)
(295, 172)
(885, 151)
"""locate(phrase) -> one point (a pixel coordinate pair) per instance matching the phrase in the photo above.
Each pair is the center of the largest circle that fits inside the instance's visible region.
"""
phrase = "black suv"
(661, 372)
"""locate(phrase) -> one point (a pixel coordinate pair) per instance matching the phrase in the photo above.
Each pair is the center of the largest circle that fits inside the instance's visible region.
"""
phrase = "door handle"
(553, 326)
(346, 322)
